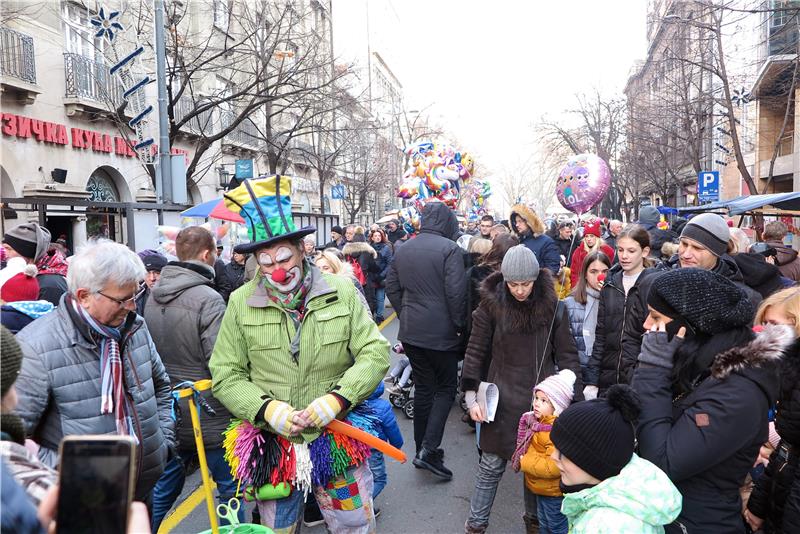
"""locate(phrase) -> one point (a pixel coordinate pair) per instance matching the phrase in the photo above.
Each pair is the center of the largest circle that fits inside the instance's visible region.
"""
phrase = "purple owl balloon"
(583, 182)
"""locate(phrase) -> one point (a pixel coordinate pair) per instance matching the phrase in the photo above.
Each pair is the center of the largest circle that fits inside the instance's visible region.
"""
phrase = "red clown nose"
(279, 275)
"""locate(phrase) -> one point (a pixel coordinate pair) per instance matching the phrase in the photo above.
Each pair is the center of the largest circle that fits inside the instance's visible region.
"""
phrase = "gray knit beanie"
(29, 240)
(519, 265)
(649, 215)
(710, 230)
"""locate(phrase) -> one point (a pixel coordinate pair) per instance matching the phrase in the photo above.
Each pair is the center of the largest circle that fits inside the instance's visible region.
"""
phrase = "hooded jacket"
(59, 391)
(707, 440)
(787, 261)
(17, 315)
(618, 335)
(542, 476)
(639, 499)
(543, 246)
(362, 252)
(183, 314)
(509, 346)
(427, 283)
(776, 494)
(388, 430)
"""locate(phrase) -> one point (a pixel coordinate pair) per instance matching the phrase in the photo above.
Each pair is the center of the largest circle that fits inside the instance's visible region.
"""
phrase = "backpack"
(357, 272)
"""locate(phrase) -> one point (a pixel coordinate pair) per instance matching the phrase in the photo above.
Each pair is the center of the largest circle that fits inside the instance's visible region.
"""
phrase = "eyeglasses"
(124, 302)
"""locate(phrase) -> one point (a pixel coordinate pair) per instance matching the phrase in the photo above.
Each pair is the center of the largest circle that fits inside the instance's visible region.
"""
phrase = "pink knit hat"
(559, 389)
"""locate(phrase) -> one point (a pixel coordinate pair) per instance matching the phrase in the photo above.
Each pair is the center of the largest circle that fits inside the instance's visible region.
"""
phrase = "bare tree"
(597, 125)
(365, 167)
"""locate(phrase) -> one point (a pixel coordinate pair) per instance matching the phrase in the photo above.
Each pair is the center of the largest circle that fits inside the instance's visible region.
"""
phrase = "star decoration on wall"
(106, 25)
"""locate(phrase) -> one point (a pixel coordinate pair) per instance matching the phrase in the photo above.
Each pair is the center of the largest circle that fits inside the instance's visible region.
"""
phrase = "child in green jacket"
(607, 488)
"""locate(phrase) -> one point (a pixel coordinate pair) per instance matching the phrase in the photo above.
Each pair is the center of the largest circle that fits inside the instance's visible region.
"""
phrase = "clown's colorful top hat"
(266, 206)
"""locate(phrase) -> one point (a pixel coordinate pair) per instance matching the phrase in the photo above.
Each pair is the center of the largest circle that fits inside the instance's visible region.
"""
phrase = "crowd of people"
(648, 375)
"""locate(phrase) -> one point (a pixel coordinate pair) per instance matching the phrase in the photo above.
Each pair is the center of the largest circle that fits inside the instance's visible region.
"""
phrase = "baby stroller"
(402, 397)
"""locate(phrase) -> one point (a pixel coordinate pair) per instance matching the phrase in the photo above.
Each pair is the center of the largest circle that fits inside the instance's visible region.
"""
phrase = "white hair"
(102, 261)
(740, 239)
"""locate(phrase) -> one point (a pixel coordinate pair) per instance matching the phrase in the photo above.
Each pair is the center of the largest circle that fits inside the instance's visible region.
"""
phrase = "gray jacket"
(183, 314)
(59, 390)
(583, 323)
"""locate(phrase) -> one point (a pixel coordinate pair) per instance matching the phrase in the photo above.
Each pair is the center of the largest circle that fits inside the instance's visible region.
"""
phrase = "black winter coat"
(427, 283)
(707, 441)
(509, 346)
(776, 495)
(51, 287)
(763, 277)
(620, 325)
(234, 279)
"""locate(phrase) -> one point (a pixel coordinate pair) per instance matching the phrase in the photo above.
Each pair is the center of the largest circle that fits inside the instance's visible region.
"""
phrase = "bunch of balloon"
(435, 173)
(583, 182)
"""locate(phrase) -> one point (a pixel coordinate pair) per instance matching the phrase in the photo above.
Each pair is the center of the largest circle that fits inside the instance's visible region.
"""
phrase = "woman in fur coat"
(774, 505)
(521, 334)
(706, 384)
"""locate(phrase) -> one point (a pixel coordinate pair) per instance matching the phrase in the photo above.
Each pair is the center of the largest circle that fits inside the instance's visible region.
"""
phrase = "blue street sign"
(337, 192)
(244, 168)
(708, 186)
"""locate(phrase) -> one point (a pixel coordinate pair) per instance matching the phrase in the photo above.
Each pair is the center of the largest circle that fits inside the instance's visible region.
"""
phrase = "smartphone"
(96, 481)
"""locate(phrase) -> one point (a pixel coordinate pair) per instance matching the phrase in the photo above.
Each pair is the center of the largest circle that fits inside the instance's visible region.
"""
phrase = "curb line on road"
(196, 497)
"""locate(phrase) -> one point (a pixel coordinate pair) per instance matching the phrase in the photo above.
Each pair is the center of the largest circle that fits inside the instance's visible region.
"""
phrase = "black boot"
(432, 461)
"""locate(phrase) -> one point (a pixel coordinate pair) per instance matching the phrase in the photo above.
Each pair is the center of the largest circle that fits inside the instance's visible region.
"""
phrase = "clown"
(296, 350)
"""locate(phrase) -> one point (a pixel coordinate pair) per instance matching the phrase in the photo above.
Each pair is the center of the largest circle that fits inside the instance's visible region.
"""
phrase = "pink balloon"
(583, 182)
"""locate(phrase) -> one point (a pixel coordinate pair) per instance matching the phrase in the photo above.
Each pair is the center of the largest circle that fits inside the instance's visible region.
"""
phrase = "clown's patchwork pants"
(345, 503)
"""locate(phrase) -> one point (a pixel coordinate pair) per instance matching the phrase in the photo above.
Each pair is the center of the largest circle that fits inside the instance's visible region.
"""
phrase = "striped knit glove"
(323, 410)
(278, 415)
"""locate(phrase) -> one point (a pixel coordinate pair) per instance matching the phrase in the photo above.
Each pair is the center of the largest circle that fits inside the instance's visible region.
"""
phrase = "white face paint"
(282, 258)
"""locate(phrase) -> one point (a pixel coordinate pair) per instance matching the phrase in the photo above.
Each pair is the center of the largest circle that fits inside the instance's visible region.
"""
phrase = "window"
(221, 14)
(78, 34)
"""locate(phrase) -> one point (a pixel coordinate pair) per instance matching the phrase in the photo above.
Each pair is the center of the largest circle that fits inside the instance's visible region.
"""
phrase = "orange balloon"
(365, 437)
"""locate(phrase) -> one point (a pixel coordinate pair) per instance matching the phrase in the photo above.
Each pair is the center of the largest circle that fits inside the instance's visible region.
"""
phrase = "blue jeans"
(551, 520)
(169, 486)
(378, 467)
(380, 301)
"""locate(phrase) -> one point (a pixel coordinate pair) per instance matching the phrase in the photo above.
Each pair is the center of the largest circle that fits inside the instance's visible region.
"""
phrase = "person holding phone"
(91, 367)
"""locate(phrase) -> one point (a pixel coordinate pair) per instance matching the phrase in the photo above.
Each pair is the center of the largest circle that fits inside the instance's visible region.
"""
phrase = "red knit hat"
(21, 286)
(592, 228)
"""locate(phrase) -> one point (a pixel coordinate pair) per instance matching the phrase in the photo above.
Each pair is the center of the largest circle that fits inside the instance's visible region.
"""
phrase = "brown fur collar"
(533, 314)
(354, 249)
(534, 222)
(768, 346)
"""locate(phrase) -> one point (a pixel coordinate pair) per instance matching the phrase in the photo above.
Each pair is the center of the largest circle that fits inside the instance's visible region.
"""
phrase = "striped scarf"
(112, 385)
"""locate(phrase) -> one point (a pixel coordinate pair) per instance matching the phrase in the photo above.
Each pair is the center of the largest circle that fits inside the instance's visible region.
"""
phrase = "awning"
(780, 201)
(719, 205)
(748, 203)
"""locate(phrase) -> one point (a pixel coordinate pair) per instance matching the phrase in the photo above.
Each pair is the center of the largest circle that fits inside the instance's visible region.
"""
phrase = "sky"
(489, 70)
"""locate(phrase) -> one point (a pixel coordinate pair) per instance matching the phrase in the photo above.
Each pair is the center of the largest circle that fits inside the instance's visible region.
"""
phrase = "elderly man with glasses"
(91, 366)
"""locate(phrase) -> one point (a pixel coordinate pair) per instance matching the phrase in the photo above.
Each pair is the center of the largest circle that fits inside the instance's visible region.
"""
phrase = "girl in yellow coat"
(534, 448)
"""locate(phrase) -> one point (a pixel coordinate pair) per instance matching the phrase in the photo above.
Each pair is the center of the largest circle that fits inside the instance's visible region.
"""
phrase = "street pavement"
(414, 501)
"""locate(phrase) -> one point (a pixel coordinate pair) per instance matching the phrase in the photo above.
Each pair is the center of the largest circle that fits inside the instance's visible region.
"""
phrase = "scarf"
(53, 262)
(528, 426)
(294, 302)
(112, 388)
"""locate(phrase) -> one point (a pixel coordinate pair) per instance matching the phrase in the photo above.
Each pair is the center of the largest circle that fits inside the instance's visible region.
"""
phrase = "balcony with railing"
(198, 124)
(244, 136)
(18, 64)
(89, 86)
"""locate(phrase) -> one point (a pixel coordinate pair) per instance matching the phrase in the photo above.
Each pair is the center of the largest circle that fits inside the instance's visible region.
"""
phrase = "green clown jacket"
(341, 350)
